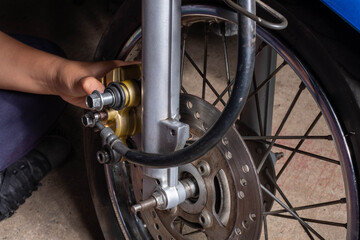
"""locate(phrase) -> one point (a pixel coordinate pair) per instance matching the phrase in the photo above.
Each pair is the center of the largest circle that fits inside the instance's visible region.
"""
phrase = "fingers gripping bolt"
(113, 96)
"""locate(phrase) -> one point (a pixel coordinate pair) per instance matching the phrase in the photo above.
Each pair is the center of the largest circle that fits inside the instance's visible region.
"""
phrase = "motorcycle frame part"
(237, 100)
(265, 97)
(161, 130)
(161, 70)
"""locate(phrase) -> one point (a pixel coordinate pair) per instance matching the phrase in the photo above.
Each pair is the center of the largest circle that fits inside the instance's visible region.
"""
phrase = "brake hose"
(236, 102)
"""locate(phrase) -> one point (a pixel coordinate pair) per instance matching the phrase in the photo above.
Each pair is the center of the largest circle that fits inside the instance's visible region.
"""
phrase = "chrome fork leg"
(161, 130)
(161, 69)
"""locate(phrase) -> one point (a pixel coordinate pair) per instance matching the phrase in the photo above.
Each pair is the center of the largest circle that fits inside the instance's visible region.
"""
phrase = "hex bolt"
(205, 219)
(204, 168)
(102, 157)
(97, 100)
(93, 101)
(160, 199)
(89, 119)
(114, 96)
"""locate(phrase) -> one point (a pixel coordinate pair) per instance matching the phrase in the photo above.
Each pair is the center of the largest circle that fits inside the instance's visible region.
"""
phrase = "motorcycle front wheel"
(308, 173)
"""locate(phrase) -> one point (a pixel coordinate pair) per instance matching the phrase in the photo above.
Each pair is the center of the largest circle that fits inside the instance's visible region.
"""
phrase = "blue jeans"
(25, 118)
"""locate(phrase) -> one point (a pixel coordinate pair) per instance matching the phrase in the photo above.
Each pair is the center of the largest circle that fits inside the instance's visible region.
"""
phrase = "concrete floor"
(62, 207)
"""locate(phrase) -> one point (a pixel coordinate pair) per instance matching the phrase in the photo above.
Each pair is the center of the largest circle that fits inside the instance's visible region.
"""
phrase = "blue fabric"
(25, 118)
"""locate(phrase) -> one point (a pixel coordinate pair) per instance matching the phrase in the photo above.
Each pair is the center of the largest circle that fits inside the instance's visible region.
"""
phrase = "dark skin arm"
(26, 69)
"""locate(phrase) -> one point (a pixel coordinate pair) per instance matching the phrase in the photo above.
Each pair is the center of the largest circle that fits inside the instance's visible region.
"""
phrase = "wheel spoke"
(334, 224)
(266, 233)
(267, 96)
(262, 45)
(183, 90)
(306, 207)
(291, 212)
(267, 80)
(202, 75)
(258, 111)
(301, 89)
(226, 59)
(286, 200)
(228, 87)
(205, 60)
(303, 152)
(299, 145)
(183, 48)
(255, 138)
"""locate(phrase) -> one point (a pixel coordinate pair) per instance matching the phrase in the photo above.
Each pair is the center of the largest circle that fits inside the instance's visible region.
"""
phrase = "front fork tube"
(259, 109)
(161, 130)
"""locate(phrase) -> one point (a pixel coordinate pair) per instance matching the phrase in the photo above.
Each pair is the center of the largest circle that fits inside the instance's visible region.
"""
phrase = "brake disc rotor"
(229, 201)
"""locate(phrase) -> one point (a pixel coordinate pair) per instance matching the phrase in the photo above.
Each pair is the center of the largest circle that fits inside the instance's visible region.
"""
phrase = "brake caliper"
(117, 108)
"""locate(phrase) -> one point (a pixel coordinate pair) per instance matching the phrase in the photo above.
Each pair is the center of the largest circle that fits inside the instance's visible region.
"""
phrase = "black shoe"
(19, 180)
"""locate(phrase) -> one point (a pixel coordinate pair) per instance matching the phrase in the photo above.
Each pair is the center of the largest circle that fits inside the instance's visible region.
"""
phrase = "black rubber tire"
(318, 37)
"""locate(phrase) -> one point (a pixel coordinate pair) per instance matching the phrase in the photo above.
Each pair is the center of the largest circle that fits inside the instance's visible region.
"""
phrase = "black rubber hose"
(237, 100)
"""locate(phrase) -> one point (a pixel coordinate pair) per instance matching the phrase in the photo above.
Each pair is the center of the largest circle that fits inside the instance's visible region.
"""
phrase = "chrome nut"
(160, 199)
(95, 101)
(88, 120)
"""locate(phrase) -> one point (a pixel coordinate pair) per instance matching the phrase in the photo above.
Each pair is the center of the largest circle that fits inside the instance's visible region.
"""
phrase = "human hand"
(75, 80)
(26, 69)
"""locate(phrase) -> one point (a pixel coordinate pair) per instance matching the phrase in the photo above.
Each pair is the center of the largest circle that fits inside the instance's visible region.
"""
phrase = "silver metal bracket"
(262, 22)
(176, 134)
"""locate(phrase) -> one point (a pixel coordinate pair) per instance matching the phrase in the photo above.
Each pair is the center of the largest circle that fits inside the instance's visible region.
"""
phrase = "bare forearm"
(26, 69)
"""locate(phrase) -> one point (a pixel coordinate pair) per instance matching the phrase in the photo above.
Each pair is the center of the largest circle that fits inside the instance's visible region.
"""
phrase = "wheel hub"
(229, 202)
